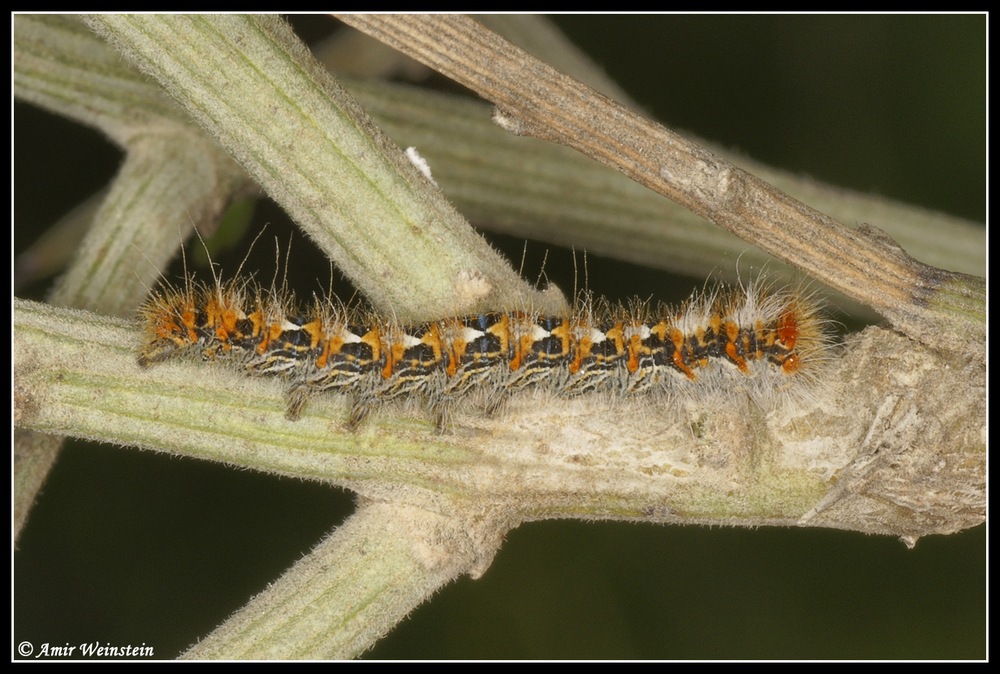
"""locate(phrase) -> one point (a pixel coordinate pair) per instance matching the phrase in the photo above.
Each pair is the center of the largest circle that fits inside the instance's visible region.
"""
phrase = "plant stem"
(351, 589)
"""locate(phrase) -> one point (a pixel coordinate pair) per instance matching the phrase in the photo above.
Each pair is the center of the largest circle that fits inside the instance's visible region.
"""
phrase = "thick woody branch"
(857, 453)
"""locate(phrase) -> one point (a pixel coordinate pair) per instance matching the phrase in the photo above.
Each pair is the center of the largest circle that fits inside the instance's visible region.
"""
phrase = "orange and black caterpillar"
(760, 336)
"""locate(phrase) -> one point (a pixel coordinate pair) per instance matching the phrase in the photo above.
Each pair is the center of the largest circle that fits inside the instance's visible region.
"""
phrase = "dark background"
(132, 547)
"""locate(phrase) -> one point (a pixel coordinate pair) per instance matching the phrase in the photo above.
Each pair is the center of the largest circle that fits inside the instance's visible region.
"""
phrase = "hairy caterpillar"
(757, 337)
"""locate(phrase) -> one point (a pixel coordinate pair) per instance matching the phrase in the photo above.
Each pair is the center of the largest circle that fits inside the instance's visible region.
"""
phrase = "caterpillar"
(752, 337)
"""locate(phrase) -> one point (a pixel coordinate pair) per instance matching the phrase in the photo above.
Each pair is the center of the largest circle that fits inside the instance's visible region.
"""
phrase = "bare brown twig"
(942, 309)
